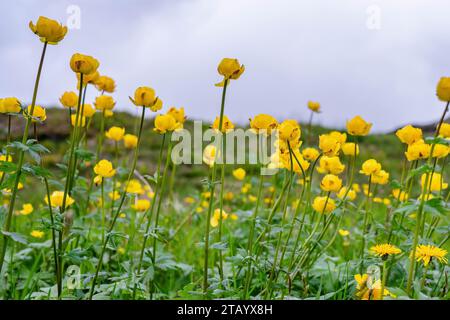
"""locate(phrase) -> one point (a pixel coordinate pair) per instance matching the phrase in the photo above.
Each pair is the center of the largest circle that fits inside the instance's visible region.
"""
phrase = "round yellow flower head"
(141, 205)
(104, 168)
(310, 154)
(400, 195)
(339, 136)
(418, 150)
(443, 89)
(115, 133)
(426, 253)
(39, 113)
(165, 123)
(370, 167)
(239, 174)
(409, 134)
(104, 102)
(322, 205)
(48, 30)
(440, 151)
(135, 187)
(230, 68)
(351, 195)
(331, 165)
(130, 141)
(106, 84)
(436, 183)
(27, 208)
(88, 110)
(88, 79)
(314, 106)
(382, 177)
(348, 149)
(10, 105)
(81, 120)
(331, 183)
(384, 250)
(57, 197)
(289, 130)
(358, 126)
(145, 97)
(209, 154)
(69, 99)
(263, 123)
(444, 130)
(114, 196)
(329, 145)
(108, 113)
(178, 115)
(80, 63)
(227, 125)
(37, 234)
(343, 232)
(217, 216)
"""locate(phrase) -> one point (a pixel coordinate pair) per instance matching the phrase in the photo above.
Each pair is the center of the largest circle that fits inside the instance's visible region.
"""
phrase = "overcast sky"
(378, 59)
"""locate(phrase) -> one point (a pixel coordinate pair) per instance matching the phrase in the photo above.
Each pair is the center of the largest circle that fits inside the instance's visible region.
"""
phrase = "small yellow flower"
(88, 110)
(48, 30)
(121, 250)
(27, 208)
(310, 154)
(314, 106)
(145, 97)
(80, 63)
(331, 183)
(343, 232)
(351, 195)
(444, 130)
(358, 126)
(115, 133)
(10, 105)
(69, 99)
(426, 253)
(189, 200)
(329, 145)
(209, 154)
(98, 180)
(252, 198)
(165, 123)
(289, 130)
(382, 177)
(130, 141)
(440, 151)
(324, 205)
(228, 196)
(114, 196)
(57, 197)
(348, 149)
(409, 134)
(239, 174)
(370, 167)
(104, 168)
(178, 115)
(87, 79)
(134, 187)
(418, 150)
(331, 165)
(141, 205)
(227, 125)
(39, 113)
(400, 195)
(37, 234)
(443, 89)
(217, 216)
(263, 123)
(105, 84)
(104, 103)
(230, 68)
(108, 113)
(384, 250)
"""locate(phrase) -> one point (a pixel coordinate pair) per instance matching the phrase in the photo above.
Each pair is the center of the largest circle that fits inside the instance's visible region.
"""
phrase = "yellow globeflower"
(217, 216)
(209, 154)
(331, 165)
(239, 174)
(351, 195)
(382, 177)
(370, 167)
(400, 195)
(322, 205)
(418, 150)
(426, 253)
(331, 183)
(358, 126)
(10, 105)
(135, 187)
(436, 183)
(409, 134)
(289, 130)
(310, 154)
(27, 208)
(227, 125)
(130, 141)
(348, 149)
(48, 30)
(69, 99)
(104, 102)
(329, 145)
(105, 84)
(230, 68)
(88, 79)
(314, 106)
(165, 123)
(263, 122)
(115, 133)
(88, 110)
(145, 97)
(339, 136)
(37, 234)
(80, 63)
(178, 115)
(141, 205)
(56, 199)
(81, 120)
(384, 250)
(443, 89)
(444, 130)
(104, 169)
(39, 113)
(114, 195)
(440, 151)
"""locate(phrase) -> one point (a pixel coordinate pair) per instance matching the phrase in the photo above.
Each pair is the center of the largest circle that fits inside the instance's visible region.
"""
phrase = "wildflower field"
(112, 209)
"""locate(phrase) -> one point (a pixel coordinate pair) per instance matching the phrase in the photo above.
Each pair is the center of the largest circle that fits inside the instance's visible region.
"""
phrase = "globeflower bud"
(104, 102)
(263, 122)
(314, 106)
(443, 89)
(130, 141)
(145, 97)
(104, 168)
(80, 63)
(227, 125)
(69, 99)
(230, 68)
(165, 123)
(105, 84)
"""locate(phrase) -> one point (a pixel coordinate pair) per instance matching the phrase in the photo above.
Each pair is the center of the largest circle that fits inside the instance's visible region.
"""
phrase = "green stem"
(364, 231)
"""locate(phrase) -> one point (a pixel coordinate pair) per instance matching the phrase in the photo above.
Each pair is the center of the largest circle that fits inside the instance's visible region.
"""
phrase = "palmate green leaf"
(16, 237)
(84, 154)
(36, 171)
(19, 146)
(437, 140)
(408, 208)
(436, 206)
(39, 148)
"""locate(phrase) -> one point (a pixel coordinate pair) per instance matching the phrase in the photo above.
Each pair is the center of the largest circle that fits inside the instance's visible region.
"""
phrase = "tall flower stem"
(412, 260)
(7, 225)
(383, 278)
(364, 230)
(122, 200)
(8, 140)
(211, 199)
(116, 160)
(222, 188)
